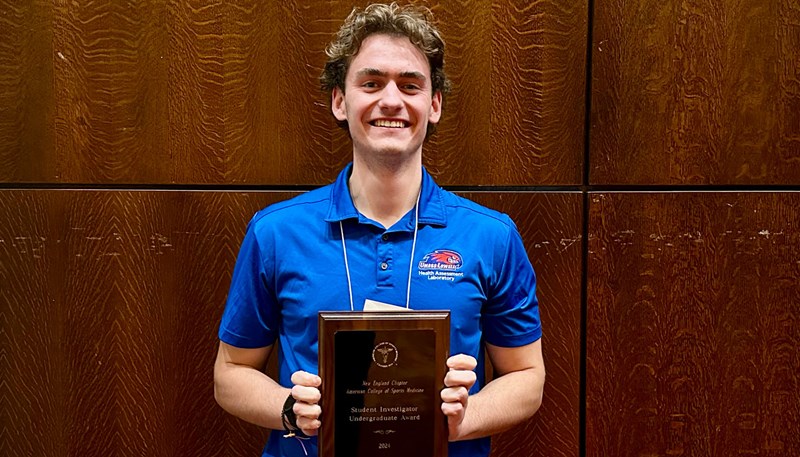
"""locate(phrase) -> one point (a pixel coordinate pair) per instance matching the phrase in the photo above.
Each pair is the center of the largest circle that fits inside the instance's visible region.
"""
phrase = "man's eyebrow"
(403, 74)
(413, 75)
(370, 72)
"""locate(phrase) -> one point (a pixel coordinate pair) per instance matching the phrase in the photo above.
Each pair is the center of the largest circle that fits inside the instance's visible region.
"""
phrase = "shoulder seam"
(285, 205)
(488, 212)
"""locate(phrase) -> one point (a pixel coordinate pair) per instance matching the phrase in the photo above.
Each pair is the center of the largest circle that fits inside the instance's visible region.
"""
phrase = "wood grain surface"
(110, 306)
(111, 302)
(550, 224)
(517, 107)
(692, 331)
(27, 104)
(111, 77)
(173, 92)
(695, 93)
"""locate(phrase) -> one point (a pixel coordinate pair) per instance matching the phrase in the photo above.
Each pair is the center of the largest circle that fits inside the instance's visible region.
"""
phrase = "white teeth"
(390, 124)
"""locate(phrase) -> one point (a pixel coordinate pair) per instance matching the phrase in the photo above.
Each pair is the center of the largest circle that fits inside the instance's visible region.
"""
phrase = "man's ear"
(436, 108)
(338, 107)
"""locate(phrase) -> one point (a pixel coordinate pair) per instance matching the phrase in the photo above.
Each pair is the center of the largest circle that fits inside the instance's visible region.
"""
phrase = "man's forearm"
(242, 389)
(503, 403)
(250, 395)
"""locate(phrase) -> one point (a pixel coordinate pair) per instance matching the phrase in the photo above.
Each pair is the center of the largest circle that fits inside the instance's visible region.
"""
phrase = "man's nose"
(391, 96)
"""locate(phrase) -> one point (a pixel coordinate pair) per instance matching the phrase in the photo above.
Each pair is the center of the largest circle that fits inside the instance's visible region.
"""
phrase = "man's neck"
(385, 194)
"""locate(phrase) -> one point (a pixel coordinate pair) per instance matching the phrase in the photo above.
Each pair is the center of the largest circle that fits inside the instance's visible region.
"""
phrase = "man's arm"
(242, 389)
(513, 396)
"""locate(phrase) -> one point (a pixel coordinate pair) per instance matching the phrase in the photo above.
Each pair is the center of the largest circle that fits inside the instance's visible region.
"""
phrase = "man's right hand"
(307, 395)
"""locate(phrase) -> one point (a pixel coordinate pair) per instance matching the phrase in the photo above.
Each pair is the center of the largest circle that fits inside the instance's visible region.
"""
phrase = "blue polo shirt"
(468, 259)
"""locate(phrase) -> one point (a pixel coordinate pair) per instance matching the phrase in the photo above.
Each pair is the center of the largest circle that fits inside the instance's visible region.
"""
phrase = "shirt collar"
(431, 200)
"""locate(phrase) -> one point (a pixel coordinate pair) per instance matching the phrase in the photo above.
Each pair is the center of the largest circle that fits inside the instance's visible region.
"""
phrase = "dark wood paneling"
(706, 93)
(111, 77)
(551, 227)
(157, 92)
(164, 92)
(110, 305)
(274, 126)
(27, 136)
(517, 108)
(33, 387)
(111, 301)
(692, 331)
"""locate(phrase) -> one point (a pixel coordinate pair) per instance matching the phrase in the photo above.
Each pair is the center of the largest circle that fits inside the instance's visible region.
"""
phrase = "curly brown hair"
(413, 22)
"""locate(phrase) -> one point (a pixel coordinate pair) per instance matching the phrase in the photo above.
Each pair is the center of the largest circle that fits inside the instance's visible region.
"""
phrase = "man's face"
(388, 99)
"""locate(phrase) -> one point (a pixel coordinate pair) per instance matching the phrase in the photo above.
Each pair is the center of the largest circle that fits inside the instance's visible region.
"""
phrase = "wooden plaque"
(382, 374)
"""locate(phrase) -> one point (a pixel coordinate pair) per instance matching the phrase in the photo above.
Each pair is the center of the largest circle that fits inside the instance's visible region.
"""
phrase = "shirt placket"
(384, 260)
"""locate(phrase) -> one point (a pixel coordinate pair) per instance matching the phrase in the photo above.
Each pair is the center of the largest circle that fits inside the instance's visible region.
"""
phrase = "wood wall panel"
(196, 82)
(692, 331)
(172, 92)
(27, 136)
(111, 302)
(32, 387)
(110, 74)
(538, 86)
(706, 93)
(550, 224)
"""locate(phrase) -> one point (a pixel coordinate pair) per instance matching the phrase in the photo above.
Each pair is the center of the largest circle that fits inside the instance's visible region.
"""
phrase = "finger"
(304, 378)
(306, 411)
(309, 426)
(453, 409)
(455, 395)
(305, 394)
(462, 362)
(463, 378)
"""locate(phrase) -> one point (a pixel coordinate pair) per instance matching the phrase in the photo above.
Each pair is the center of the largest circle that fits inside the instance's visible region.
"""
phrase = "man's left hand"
(455, 396)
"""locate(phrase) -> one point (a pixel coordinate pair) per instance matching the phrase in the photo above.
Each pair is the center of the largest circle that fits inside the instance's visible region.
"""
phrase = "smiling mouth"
(389, 124)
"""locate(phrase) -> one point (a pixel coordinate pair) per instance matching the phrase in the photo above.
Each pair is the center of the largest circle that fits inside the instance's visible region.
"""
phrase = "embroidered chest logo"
(441, 265)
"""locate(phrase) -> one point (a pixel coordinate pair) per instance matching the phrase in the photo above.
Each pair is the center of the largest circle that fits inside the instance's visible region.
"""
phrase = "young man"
(381, 232)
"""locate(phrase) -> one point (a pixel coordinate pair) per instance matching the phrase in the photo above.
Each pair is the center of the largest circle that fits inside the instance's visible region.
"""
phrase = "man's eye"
(370, 84)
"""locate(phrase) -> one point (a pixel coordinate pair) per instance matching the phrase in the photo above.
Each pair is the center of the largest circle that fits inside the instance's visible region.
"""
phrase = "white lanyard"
(410, 262)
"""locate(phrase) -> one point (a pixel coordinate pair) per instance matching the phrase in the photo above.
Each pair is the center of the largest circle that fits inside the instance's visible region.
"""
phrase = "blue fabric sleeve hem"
(244, 343)
(517, 340)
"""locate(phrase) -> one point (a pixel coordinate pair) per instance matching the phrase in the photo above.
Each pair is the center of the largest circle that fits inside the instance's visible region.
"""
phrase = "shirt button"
(384, 265)
(385, 237)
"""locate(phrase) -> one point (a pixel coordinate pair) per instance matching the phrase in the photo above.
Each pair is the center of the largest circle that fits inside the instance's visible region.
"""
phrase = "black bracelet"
(289, 419)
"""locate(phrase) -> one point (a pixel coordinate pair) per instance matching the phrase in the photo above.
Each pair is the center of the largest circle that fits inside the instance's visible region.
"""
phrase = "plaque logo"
(385, 354)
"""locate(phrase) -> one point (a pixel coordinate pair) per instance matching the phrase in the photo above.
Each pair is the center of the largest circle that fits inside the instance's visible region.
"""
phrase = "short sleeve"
(251, 316)
(511, 315)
